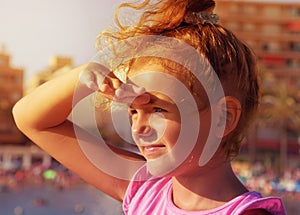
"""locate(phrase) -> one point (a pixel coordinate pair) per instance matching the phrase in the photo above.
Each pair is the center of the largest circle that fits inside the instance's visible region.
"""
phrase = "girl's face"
(155, 125)
(166, 128)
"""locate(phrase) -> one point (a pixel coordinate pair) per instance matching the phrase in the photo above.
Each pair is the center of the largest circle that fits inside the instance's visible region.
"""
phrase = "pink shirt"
(154, 197)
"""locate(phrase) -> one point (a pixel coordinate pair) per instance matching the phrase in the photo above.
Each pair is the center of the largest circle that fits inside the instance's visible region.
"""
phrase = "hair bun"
(200, 5)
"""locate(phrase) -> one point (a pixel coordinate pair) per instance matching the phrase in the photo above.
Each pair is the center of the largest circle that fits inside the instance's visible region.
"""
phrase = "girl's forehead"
(158, 66)
(160, 84)
(160, 98)
(157, 99)
(174, 82)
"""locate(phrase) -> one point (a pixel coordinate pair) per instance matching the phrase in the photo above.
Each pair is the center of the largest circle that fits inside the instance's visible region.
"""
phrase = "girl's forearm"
(50, 104)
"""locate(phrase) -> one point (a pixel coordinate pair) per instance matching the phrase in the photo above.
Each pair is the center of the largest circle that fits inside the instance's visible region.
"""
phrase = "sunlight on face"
(166, 128)
(151, 124)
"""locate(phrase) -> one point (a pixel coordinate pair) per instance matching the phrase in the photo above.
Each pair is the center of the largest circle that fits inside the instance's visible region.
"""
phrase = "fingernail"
(139, 90)
(142, 99)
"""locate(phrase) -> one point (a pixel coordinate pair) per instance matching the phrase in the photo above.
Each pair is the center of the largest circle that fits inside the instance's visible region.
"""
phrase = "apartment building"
(272, 30)
(11, 90)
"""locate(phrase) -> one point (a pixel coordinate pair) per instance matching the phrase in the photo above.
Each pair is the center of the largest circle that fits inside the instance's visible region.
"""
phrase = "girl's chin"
(163, 165)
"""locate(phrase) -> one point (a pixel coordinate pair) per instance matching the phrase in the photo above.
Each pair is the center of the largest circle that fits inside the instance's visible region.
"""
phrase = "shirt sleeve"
(274, 205)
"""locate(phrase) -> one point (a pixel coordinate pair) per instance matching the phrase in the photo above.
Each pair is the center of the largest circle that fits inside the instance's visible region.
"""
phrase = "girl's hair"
(233, 62)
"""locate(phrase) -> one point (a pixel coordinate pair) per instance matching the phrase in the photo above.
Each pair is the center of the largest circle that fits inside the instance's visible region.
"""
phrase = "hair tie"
(202, 17)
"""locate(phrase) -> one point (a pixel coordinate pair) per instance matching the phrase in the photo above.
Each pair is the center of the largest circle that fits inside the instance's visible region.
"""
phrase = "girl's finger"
(87, 78)
(128, 92)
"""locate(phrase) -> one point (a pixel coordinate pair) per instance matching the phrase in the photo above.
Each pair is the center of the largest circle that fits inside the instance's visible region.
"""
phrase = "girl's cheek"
(158, 122)
(157, 127)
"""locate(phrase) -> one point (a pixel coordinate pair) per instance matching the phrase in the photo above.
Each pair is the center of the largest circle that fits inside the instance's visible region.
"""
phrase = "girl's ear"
(229, 112)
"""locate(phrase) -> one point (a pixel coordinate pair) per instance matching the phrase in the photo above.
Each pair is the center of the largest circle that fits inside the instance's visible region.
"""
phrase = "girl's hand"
(97, 77)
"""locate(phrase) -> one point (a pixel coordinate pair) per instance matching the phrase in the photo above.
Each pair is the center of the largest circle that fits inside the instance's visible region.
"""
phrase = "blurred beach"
(50, 191)
(55, 190)
(48, 200)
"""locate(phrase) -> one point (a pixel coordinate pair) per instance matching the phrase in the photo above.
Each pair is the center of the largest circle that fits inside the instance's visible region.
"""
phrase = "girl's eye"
(157, 109)
(132, 112)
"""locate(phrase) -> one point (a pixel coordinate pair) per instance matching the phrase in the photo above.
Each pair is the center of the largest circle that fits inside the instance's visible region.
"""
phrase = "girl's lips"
(153, 151)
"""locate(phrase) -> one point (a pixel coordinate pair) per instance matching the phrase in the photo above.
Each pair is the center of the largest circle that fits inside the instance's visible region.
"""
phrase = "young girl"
(191, 89)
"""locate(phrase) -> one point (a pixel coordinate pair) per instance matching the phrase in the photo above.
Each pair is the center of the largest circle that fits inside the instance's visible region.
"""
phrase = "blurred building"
(272, 30)
(57, 66)
(24, 154)
(11, 90)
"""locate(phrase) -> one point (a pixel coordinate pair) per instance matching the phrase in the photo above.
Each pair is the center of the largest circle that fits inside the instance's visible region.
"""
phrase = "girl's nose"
(141, 126)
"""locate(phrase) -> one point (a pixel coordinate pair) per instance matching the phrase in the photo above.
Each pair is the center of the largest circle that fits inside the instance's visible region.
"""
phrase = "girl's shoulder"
(255, 203)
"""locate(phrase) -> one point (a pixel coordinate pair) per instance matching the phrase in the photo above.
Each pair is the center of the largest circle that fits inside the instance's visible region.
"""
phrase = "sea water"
(81, 199)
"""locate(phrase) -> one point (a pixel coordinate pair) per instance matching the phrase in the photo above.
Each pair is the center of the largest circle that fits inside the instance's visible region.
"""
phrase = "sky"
(34, 30)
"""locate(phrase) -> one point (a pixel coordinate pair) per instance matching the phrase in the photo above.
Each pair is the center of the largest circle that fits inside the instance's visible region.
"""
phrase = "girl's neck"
(206, 189)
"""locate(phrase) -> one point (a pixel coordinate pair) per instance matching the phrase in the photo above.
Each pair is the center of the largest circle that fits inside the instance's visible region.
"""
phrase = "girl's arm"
(42, 116)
